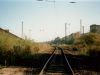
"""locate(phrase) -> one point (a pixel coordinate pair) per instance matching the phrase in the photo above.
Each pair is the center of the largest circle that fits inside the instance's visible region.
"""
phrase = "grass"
(13, 48)
(88, 44)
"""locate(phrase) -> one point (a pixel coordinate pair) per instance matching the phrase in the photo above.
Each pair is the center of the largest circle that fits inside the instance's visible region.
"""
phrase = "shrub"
(94, 51)
(13, 48)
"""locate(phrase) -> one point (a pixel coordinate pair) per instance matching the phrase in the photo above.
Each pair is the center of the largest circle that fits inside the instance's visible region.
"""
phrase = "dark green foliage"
(65, 40)
(57, 40)
(70, 40)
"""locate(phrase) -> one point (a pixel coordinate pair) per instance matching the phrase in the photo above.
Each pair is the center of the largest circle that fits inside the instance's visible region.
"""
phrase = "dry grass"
(85, 72)
(45, 48)
(87, 43)
(14, 71)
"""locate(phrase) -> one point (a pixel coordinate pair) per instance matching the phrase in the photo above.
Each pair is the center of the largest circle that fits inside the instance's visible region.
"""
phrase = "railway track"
(57, 64)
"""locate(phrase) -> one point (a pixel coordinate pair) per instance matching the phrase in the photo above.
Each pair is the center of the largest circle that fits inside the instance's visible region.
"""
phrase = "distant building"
(95, 28)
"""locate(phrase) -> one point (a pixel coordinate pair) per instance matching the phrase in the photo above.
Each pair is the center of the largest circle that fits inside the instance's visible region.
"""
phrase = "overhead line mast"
(22, 29)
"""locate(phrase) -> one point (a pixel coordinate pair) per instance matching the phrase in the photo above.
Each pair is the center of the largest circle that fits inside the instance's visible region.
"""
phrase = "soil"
(15, 71)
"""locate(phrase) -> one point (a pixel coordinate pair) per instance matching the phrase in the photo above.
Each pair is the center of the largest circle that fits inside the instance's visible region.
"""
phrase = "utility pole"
(65, 29)
(22, 29)
(80, 26)
(83, 29)
(69, 28)
(30, 33)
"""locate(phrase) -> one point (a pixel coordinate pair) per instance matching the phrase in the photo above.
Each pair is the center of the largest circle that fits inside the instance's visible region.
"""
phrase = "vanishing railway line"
(57, 64)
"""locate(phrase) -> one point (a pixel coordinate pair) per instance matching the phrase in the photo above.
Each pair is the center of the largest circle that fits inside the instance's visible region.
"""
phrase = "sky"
(45, 20)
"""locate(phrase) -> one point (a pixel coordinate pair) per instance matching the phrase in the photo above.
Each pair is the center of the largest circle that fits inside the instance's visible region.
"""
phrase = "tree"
(57, 40)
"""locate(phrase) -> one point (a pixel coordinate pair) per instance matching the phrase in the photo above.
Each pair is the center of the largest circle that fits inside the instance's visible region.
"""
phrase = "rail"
(52, 56)
(42, 71)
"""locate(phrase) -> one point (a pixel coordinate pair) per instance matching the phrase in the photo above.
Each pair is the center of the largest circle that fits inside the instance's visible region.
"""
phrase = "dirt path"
(15, 71)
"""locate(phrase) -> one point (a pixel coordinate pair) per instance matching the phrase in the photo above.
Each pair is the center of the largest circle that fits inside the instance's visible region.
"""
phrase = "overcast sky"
(45, 20)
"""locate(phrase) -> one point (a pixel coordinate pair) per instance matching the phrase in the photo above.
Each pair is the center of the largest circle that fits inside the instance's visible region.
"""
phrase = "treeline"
(65, 40)
(85, 44)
